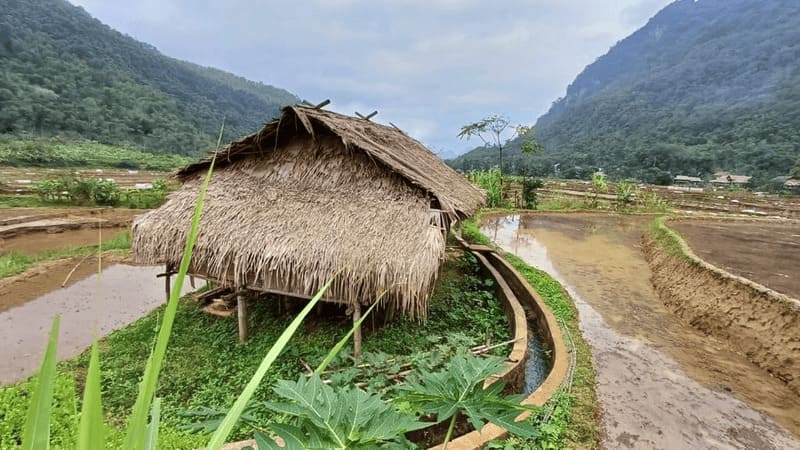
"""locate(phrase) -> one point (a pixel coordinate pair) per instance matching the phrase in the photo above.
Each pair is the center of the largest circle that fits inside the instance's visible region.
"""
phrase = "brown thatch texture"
(290, 219)
(387, 145)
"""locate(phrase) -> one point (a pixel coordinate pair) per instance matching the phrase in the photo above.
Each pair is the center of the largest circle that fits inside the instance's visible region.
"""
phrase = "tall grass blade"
(36, 434)
(90, 430)
(340, 345)
(227, 424)
(152, 429)
(137, 423)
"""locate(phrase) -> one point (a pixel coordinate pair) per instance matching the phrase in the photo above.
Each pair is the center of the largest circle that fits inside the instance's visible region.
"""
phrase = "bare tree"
(490, 130)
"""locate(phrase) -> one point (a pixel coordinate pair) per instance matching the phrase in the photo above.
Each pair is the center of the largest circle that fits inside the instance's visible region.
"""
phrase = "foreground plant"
(458, 390)
(335, 418)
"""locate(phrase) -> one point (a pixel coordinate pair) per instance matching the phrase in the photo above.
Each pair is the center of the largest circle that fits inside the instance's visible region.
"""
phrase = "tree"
(796, 171)
(490, 130)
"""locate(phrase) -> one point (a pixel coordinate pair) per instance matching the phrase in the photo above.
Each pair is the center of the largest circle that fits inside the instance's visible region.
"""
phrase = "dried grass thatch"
(308, 195)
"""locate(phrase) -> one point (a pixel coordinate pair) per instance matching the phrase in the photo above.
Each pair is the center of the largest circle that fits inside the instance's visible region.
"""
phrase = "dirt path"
(122, 294)
(765, 252)
(661, 384)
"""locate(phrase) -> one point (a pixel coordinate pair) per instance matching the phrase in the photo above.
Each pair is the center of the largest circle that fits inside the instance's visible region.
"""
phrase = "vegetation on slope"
(82, 154)
(65, 73)
(704, 86)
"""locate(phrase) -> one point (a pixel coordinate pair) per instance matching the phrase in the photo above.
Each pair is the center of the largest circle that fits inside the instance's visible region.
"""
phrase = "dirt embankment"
(756, 322)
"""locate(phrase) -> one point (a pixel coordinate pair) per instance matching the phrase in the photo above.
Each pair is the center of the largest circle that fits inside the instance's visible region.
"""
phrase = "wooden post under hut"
(241, 314)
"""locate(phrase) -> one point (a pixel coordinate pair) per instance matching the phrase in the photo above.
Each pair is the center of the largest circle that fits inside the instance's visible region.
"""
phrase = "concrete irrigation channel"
(661, 383)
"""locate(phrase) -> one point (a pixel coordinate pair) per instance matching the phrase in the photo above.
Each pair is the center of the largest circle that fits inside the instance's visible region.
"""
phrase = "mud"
(765, 252)
(42, 241)
(660, 382)
(91, 305)
(757, 323)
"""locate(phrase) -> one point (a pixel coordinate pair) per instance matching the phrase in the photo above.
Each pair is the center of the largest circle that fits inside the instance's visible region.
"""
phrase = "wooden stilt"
(167, 284)
(357, 332)
(241, 313)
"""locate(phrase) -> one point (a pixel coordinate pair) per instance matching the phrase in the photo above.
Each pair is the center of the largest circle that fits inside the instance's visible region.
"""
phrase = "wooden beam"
(324, 103)
(241, 314)
(357, 332)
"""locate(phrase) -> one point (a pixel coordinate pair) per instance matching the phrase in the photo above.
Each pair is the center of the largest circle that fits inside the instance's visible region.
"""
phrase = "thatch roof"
(687, 179)
(308, 195)
(725, 178)
(388, 146)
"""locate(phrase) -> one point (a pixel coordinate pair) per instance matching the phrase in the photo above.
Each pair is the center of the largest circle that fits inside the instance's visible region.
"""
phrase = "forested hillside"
(64, 73)
(705, 85)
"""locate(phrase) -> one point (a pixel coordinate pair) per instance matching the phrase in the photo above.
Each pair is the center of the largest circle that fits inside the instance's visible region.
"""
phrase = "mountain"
(705, 85)
(64, 73)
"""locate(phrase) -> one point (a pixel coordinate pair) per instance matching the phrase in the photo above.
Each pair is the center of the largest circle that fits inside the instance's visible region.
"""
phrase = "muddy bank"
(42, 241)
(660, 382)
(91, 305)
(755, 323)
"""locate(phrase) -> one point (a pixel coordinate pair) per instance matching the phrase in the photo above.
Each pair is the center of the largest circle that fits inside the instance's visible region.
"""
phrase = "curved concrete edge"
(687, 251)
(524, 302)
(756, 321)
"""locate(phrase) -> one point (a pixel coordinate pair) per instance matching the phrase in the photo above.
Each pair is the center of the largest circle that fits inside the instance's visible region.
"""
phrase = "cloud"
(428, 66)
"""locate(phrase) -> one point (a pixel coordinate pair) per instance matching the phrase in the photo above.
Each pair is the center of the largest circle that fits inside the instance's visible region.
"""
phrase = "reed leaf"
(36, 434)
(137, 423)
(152, 429)
(227, 424)
(90, 430)
(340, 345)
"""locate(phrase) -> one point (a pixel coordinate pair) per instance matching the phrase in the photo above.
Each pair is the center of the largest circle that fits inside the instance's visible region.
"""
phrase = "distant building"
(683, 180)
(726, 179)
(793, 185)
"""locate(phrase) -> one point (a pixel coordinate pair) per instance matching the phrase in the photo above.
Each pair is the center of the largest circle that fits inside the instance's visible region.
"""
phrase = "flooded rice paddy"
(91, 305)
(660, 383)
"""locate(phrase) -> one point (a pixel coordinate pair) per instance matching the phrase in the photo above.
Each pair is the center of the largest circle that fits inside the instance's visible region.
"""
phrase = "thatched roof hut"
(312, 193)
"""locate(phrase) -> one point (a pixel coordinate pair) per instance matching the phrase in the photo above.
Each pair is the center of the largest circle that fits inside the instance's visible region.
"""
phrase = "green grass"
(574, 423)
(15, 263)
(24, 201)
(83, 154)
(206, 366)
(665, 237)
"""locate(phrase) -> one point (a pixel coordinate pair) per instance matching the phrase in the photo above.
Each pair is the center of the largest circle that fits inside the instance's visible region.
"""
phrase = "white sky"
(428, 66)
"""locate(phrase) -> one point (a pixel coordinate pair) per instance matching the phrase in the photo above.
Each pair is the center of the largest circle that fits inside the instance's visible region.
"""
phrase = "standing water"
(660, 383)
(89, 307)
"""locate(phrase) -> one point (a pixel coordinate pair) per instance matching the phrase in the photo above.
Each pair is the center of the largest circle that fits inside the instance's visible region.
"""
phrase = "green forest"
(64, 73)
(704, 86)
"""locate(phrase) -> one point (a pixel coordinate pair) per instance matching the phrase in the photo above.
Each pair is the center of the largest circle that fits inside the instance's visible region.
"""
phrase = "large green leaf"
(337, 418)
(36, 434)
(91, 429)
(458, 388)
(219, 436)
(137, 423)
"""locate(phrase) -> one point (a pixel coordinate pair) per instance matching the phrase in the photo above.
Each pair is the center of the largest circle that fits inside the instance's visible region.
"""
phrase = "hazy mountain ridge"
(65, 73)
(704, 85)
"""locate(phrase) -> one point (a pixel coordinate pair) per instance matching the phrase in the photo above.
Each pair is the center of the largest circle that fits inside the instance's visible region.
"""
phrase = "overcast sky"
(428, 66)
